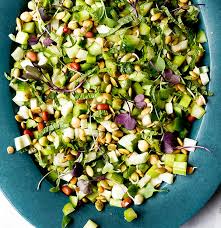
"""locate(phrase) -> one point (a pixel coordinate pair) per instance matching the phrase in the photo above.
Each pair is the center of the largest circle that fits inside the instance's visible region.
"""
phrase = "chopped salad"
(107, 92)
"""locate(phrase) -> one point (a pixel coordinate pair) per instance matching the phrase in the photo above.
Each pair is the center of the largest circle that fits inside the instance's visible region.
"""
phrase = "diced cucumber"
(111, 65)
(86, 66)
(18, 54)
(112, 156)
(22, 142)
(31, 124)
(92, 197)
(94, 80)
(136, 159)
(145, 8)
(179, 60)
(91, 59)
(144, 29)
(74, 201)
(95, 49)
(115, 202)
(109, 22)
(132, 190)
(204, 77)
(66, 108)
(22, 37)
(181, 46)
(131, 41)
(29, 27)
(197, 111)
(42, 60)
(201, 37)
(83, 15)
(137, 76)
(103, 29)
(37, 47)
(128, 172)
(54, 60)
(68, 209)
(72, 51)
(80, 109)
(138, 88)
(90, 224)
(116, 177)
(185, 101)
(82, 55)
(54, 51)
(129, 142)
(167, 177)
(68, 3)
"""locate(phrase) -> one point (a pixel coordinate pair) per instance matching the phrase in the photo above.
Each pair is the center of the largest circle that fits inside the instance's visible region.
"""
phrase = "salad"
(107, 92)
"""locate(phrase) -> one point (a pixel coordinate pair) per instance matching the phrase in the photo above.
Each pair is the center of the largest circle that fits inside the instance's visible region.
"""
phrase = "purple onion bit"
(126, 120)
(43, 15)
(32, 40)
(77, 169)
(47, 42)
(170, 77)
(139, 101)
(84, 186)
(168, 143)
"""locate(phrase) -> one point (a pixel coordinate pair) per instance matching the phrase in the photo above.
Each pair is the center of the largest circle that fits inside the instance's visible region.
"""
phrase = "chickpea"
(32, 56)
(26, 17)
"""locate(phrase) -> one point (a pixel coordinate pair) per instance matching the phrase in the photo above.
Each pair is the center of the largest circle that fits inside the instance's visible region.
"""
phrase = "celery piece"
(92, 197)
(68, 209)
(130, 215)
(179, 168)
(169, 159)
(181, 157)
(151, 172)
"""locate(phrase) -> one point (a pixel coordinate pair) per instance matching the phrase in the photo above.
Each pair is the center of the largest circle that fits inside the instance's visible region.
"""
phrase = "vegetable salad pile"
(107, 93)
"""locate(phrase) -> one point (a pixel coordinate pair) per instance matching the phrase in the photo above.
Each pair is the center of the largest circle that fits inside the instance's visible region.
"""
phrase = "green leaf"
(54, 189)
(160, 64)
(66, 221)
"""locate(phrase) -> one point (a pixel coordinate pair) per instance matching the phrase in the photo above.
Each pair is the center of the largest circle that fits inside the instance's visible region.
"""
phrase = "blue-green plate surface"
(19, 175)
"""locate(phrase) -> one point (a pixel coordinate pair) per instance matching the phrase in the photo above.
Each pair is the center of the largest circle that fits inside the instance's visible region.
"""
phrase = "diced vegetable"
(130, 215)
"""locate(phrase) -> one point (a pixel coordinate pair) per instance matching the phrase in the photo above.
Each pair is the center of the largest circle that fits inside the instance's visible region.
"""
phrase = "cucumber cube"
(197, 111)
(18, 54)
(29, 27)
(185, 101)
(22, 37)
(68, 209)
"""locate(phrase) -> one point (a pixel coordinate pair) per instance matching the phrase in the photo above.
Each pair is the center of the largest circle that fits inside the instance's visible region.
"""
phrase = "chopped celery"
(68, 209)
(130, 215)
(179, 168)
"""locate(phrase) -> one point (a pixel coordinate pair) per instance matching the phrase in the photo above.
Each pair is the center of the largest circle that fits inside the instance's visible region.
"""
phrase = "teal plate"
(19, 175)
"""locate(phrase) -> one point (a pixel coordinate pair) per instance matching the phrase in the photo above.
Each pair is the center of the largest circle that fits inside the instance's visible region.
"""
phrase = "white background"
(208, 217)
